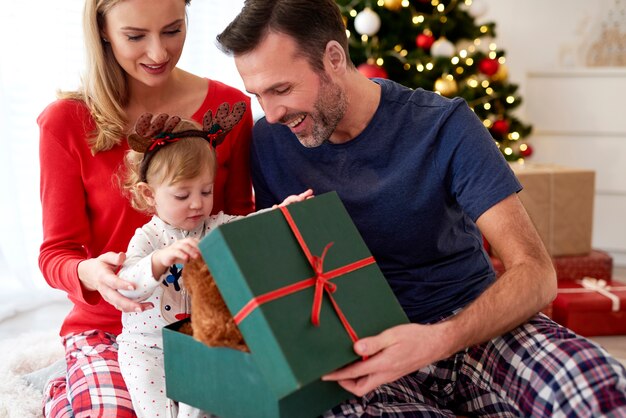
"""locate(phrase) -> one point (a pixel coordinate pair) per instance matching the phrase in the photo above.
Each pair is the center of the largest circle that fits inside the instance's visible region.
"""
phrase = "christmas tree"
(437, 45)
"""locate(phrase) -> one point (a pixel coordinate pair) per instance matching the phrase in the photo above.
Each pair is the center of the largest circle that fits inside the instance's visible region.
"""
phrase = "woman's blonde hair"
(104, 86)
(184, 159)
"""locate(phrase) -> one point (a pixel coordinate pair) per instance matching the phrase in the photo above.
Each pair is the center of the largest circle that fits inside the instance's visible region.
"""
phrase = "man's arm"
(527, 286)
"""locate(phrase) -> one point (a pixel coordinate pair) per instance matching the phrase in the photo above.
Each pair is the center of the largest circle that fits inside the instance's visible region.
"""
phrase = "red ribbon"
(320, 280)
(160, 141)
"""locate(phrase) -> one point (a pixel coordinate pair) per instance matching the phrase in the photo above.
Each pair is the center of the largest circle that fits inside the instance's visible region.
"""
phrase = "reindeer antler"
(148, 130)
(224, 121)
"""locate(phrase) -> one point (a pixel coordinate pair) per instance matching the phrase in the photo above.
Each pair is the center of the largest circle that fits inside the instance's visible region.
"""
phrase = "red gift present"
(591, 306)
(597, 264)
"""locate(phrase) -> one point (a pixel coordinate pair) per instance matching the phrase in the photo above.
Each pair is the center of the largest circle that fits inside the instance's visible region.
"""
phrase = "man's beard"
(330, 107)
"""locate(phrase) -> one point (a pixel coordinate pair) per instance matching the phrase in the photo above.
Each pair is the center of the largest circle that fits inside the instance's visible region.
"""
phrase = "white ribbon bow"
(600, 286)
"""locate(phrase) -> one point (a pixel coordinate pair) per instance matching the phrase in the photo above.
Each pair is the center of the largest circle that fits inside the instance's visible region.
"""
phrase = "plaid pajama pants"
(94, 386)
(539, 369)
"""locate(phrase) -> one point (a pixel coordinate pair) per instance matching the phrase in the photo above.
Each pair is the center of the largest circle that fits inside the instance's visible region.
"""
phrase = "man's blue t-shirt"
(414, 182)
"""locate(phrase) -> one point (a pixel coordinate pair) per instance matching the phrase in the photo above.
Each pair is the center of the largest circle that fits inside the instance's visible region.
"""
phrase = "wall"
(541, 35)
(576, 119)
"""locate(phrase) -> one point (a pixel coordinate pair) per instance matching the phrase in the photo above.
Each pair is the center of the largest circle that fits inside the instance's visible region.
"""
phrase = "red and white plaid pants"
(93, 386)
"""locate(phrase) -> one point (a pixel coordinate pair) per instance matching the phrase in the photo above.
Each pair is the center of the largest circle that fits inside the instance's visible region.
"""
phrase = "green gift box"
(303, 286)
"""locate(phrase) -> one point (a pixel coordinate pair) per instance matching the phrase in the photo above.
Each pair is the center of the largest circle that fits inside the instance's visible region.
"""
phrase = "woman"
(133, 47)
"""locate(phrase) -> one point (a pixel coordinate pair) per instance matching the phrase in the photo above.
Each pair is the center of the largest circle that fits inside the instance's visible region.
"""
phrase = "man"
(422, 179)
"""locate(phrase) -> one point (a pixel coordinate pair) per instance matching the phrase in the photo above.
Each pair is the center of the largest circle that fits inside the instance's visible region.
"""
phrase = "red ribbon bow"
(321, 284)
(320, 280)
(160, 141)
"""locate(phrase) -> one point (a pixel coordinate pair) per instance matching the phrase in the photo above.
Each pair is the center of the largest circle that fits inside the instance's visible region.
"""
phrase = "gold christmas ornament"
(446, 86)
(393, 5)
(502, 74)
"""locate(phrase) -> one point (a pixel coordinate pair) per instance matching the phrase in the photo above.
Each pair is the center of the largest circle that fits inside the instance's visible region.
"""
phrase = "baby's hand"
(179, 252)
(296, 198)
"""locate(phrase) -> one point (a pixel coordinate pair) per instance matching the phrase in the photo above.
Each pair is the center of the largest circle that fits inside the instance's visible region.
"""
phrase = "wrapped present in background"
(591, 307)
(559, 201)
(596, 263)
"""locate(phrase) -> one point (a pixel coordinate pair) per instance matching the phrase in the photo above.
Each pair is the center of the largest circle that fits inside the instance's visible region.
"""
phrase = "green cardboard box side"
(259, 254)
(228, 383)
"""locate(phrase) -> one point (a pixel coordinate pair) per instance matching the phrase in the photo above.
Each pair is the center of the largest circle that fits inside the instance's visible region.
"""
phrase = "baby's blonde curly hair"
(184, 159)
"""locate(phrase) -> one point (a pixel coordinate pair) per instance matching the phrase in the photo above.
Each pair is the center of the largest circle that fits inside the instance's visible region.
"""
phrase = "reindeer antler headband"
(153, 134)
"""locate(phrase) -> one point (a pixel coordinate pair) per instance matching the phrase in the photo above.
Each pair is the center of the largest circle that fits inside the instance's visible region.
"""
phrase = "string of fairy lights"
(437, 45)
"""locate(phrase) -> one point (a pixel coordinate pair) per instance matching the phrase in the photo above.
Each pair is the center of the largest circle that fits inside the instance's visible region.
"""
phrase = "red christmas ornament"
(424, 41)
(526, 150)
(372, 70)
(500, 127)
(488, 66)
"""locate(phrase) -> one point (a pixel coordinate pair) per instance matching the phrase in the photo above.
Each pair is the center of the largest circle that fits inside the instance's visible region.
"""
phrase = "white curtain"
(42, 51)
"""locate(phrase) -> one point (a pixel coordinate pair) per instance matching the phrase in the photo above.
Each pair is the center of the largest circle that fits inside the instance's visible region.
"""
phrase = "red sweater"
(85, 213)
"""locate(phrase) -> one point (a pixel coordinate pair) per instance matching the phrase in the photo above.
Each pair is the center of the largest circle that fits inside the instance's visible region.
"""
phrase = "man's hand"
(392, 354)
(307, 194)
(98, 274)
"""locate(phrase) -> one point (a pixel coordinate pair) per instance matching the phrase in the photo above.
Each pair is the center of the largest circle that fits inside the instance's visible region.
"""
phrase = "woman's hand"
(98, 274)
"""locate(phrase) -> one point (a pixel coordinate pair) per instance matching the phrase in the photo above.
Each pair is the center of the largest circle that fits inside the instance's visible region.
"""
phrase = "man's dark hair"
(312, 23)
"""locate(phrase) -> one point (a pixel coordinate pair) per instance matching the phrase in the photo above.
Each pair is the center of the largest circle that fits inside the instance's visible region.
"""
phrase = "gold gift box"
(559, 201)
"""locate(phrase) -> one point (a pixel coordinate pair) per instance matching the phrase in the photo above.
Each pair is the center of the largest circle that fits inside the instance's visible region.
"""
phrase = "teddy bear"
(211, 321)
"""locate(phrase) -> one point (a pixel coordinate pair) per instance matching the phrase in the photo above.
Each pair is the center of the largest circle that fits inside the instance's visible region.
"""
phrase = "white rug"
(21, 355)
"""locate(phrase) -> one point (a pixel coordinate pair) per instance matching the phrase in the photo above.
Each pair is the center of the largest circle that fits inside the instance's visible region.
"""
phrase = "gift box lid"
(255, 256)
